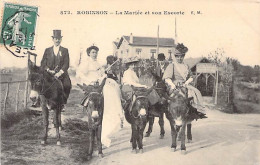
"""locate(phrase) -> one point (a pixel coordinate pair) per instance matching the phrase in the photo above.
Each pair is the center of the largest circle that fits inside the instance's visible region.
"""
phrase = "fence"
(9, 89)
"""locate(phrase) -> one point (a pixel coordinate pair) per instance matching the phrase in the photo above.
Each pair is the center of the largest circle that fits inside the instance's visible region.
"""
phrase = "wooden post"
(17, 97)
(157, 44)
(26, 83)
(216, 94)
(6, 96)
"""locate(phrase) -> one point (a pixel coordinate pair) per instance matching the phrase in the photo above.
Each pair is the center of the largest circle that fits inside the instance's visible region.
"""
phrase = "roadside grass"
(77, 133)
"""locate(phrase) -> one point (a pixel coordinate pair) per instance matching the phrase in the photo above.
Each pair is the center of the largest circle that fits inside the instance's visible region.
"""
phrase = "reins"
(43, 91)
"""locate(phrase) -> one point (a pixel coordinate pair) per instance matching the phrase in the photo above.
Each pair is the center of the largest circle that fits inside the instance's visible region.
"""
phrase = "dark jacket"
(56, 63)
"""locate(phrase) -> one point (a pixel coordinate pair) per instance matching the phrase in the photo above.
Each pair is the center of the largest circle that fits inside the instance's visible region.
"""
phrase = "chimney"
(131, 38)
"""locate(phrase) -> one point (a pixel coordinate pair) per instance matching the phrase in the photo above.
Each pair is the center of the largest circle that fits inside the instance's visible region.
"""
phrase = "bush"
(12, 118)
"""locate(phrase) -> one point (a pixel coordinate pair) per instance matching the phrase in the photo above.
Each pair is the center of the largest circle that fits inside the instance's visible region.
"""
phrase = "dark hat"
(181, 50)
(161, 57)
(92, 47)
(56, 34)
(111, 59)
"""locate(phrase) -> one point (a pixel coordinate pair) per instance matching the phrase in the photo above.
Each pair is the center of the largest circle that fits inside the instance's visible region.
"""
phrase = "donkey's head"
(140, 107)
(179, 106)
(95, 105)
(36, 80)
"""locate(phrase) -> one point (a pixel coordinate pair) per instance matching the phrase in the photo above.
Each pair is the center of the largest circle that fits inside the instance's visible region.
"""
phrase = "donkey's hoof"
(161, 136)
(58, 143)
(173, 149)
(189, 141)
(43, 142)
(141, 151)
(183, 152)
(147, 135)
(100, 155)
(134, 151)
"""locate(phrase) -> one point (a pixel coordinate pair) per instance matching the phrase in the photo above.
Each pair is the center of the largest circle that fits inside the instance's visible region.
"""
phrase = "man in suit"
(56, 61)
(162, 65)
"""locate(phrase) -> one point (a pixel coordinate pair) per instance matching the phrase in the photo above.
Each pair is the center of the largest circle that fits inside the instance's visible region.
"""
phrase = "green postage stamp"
(18, 25)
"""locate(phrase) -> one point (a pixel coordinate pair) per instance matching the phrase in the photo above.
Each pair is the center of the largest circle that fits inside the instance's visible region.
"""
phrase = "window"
(153, 52)
(138, 51)
(170, 52)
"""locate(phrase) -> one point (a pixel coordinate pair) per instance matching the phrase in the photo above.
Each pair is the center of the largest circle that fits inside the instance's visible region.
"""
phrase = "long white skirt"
(112, 110)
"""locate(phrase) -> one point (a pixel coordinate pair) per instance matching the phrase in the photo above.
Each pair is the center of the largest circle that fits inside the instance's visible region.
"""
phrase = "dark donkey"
(159, 108)
(93, 107)
(180, 113)
(136, 115)
(50, 91)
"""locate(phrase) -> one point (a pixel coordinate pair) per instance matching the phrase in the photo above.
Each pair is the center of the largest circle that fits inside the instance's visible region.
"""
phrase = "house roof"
(148, 41)
(116, 43)
(191, 62)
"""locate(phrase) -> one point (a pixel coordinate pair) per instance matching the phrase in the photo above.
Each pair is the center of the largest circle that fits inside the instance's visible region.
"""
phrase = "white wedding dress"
(113, 110)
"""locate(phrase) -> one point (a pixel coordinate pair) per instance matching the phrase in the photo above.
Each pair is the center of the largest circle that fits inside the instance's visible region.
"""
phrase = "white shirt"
(130, 78)
(89, 71)
(56, 50)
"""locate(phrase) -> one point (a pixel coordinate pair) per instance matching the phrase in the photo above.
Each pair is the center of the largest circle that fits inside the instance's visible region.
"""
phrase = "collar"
(56, 50)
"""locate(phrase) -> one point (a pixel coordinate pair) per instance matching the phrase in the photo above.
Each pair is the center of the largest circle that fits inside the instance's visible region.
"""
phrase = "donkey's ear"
(31, 64)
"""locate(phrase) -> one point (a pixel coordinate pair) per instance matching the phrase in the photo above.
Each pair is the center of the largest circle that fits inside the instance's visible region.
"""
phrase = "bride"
(113, 111)
(91, 72)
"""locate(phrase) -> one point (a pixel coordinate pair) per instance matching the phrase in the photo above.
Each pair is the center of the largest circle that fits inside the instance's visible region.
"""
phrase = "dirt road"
(220, 139)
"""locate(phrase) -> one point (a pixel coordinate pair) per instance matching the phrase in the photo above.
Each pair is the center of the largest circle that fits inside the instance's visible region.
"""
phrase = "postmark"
(18, 28)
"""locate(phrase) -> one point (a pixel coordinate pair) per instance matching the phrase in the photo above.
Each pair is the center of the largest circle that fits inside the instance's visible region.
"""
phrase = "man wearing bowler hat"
(56, 61)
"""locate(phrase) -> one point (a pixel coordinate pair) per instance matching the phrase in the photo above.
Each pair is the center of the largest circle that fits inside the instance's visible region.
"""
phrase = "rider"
(130, 79)
(178, 74)
(113, 112)
(56, 61)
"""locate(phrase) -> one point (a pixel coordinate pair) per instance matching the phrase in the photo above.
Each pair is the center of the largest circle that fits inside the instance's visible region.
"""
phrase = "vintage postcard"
(130, 82)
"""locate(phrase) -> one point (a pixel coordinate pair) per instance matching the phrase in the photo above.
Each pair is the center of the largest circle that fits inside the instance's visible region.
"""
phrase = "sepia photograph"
(127, 82)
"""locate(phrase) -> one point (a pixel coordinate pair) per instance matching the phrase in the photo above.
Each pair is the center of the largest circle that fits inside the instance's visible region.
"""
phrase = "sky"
(233, 26)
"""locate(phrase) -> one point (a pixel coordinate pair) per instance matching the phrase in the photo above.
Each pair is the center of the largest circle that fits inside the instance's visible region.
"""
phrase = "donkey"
(159, 108)
(50, 91)
(136, 115)
(93, 107)
(180, 113)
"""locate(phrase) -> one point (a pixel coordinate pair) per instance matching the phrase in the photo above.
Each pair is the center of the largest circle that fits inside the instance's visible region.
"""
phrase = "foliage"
(13, 118)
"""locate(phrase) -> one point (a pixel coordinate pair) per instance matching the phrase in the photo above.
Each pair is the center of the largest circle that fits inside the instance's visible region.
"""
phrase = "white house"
(143, 47)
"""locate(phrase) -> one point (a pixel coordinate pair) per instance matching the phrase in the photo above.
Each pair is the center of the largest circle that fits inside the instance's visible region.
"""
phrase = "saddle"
(89, 89)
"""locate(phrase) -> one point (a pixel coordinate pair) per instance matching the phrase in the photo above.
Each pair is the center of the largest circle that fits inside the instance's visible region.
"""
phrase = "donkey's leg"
(173, 131)
(182, 132)
(59, 117)
(134, 137)
(141, 134)
(150, 128)
(99, 143)
(189, 135)
(91, 144)
(45, 116)
(161, 123)
(56, 123)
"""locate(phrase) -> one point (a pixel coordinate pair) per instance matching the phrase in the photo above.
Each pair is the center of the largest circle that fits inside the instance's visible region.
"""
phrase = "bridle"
(42, 80)
(131, 112)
